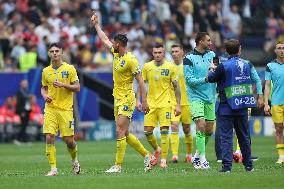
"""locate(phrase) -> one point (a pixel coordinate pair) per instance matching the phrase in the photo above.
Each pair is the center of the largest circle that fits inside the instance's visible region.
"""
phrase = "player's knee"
(186, 130)
(118, 131)
(71, 144)
(209, 133)
(175, 128)
(50, 138)
(279, 128)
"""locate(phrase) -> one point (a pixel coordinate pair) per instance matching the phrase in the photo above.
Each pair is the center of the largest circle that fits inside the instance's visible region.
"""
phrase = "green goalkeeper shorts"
(202, 110)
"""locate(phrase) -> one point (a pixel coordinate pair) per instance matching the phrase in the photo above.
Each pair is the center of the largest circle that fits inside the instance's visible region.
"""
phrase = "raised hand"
(57, 83)
(94, 18)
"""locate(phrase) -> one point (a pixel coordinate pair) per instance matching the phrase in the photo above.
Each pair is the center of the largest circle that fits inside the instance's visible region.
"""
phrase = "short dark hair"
(177, 45)
(232, 46)
(200, 36)
(122, 38)
(55, 45)
(158, 45)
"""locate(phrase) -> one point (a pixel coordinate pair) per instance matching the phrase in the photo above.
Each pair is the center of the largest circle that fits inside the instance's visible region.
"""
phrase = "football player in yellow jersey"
(59, 82)
(185, 117)
(125, 69)
(160, 76)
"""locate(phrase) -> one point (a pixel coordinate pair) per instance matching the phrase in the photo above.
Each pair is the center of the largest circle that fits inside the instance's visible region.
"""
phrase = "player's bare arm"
(141, 92)
(44, 93)
(266, 97)
(74, 86)
(260, 101)
(177, 94)
(101, 33)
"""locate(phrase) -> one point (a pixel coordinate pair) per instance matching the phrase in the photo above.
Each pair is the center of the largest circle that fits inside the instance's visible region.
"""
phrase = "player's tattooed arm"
(100, 32)
(141, 93)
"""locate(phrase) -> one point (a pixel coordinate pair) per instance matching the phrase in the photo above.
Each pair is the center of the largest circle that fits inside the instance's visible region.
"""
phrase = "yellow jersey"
(61, 98)
(124, 70)
(160, 81)
(181, 82)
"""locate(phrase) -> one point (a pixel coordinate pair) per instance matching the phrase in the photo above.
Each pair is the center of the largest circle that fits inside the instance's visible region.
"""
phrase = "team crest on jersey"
(122, 63)
(125, 108)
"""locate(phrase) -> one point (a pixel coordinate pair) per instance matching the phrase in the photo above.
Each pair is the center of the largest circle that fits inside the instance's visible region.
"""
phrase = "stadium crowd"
(28, 26)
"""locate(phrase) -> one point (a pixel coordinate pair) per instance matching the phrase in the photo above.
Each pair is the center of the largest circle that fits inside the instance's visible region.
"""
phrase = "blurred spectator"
(201, 22)
(9, 65)
(162, 10)
(141, 56)
(42, 52)
(144, 14)
(30, 35)
(87, 55)
(103, 58)
(18, 50)
(43, 29)
(71, 29)
(29, 59)
(23, 109)
(234, 21)
(135, 35)
(5, 33)
(53, 20)
(122, 11)
(8, 112)
(9, 6)
(8, 120)
(36, 115)
(272, 27)
(187, 10)
(214, 25)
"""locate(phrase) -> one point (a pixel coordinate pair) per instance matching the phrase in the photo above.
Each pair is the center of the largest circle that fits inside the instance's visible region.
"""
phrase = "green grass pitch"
(23, 167)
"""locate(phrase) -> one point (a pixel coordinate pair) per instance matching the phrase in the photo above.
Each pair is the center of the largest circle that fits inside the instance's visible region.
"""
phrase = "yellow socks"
(152, 140)
(120, 151)
(174, 143)
(280, 149)
(188, 143)
(136, 144)
(51, 155)
(73, 152)
(238, 146)
(164, 143)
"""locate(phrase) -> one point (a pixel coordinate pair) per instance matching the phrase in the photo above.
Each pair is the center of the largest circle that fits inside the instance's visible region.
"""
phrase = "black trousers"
(22, 136)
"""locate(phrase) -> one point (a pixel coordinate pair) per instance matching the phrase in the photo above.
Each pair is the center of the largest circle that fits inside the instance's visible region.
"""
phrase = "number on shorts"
(168, 115)
(71, 123)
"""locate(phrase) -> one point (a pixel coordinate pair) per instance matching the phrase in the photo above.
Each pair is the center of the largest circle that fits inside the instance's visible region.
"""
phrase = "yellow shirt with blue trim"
(160, 80)
(182, 85)
(124, 70)
(61, 98)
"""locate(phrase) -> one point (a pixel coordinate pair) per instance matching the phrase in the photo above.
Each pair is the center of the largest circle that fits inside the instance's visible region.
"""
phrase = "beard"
(115, 50)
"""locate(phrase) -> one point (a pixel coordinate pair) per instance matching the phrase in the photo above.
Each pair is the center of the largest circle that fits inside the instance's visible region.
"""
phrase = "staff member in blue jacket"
(234, 84)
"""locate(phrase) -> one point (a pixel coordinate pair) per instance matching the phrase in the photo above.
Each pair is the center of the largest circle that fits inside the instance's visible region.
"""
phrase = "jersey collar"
(278, 62)
(196, 52)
